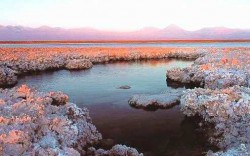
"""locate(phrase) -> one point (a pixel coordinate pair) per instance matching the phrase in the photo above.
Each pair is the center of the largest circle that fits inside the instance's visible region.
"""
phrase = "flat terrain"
(120, 41)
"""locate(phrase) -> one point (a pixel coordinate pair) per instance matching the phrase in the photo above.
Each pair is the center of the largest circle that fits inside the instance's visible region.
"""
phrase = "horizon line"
(115, 30)
(119, 41)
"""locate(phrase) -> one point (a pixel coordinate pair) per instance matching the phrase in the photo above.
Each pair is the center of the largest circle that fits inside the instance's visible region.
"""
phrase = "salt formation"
(78, 64)
(35, 123)
(124, 87)
(16, 61)
(117, 150)
(151, 102)
(7, 76)
(216, 70)
(225, 99)
(43, 123)
(242, 150)
(227, 108)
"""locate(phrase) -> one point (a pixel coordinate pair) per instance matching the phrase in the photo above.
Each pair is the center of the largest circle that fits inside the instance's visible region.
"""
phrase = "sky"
(126, 15)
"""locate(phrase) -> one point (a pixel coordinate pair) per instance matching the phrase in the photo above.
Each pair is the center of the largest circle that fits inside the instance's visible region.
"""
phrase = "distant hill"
(172, 32)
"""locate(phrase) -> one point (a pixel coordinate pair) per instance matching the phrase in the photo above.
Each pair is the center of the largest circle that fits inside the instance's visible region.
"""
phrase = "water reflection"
(160, 132)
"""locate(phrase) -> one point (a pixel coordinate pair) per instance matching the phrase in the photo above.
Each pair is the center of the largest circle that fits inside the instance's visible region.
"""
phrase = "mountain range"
(172, 32)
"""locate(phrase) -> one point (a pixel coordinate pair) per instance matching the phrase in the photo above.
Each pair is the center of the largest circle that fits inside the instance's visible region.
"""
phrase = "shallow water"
(141, 44)
(161, 132)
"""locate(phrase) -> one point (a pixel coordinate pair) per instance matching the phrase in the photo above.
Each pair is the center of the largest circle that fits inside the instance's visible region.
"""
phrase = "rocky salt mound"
(117, 150)
(35, 123)
(43, 123)
(153, 102)
(225, 99)
(124, 87)
(242, 150)
(216, 70)
(7, 77)
(77, 64)
(228, 109)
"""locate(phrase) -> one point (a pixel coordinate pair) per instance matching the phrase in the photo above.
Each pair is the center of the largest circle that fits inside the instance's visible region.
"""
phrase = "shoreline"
(210, 63)
(119, 41)
(16, 61)
(222, 99)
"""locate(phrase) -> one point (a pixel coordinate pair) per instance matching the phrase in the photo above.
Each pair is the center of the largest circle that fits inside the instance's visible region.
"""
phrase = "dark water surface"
(140, 44)
(161, 132)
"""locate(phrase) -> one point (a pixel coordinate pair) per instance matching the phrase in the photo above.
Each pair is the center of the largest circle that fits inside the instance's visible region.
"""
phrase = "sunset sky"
(125, 15)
